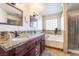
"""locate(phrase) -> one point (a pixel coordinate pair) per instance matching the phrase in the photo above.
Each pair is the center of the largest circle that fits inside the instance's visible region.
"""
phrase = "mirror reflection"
(10, 15)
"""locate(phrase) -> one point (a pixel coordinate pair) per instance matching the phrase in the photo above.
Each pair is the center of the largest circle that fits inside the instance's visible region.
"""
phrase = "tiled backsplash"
(52, 32)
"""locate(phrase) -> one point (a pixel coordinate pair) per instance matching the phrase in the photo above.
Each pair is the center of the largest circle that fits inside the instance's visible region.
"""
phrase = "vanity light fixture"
(34, 14)
(33, 17)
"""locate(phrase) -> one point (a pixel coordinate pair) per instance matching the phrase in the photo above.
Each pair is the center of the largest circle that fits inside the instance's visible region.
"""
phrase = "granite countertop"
(8, 45)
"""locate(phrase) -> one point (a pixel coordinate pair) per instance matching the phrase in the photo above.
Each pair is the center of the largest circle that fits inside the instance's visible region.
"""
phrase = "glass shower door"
(73, 33)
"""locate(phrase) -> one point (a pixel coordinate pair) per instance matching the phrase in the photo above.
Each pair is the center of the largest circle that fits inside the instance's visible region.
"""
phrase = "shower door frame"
(66, 49)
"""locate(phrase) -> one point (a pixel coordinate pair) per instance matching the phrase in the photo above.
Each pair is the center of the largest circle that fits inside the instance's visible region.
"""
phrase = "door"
(77, 32)
(73, 33)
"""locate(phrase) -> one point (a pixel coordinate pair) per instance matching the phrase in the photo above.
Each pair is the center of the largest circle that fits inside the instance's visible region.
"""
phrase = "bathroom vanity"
(24, 46)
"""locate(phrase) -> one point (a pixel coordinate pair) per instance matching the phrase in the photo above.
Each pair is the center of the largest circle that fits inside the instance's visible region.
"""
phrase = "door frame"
(65, 28)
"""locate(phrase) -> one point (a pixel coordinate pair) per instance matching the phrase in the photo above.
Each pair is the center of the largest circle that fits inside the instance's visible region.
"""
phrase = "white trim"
(73, 51)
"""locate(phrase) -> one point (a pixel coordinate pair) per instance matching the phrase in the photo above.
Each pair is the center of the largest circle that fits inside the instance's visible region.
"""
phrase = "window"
(62, 22)
(51, 24)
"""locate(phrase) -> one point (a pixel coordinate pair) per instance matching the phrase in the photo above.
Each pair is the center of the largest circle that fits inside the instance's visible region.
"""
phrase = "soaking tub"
(54, 40)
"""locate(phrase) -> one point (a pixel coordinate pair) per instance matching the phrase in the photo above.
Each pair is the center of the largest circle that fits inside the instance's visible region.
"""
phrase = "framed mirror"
(33, 21)
(10, 15)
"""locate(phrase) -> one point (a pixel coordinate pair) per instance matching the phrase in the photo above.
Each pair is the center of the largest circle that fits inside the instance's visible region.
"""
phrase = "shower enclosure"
(73, 33)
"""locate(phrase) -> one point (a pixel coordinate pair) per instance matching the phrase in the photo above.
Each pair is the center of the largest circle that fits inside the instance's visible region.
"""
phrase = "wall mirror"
(33, 21)
(10, 15)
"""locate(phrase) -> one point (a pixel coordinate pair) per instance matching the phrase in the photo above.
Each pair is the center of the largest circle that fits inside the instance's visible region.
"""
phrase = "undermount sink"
(21, 37)
(14, 39)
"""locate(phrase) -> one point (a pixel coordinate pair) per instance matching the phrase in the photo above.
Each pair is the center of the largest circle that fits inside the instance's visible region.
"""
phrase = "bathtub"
(54, 40)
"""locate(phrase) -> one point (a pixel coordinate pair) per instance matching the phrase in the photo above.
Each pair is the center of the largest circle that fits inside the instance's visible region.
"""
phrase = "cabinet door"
(33, 52)
(30, 53)
(42, 47)
(23, 49)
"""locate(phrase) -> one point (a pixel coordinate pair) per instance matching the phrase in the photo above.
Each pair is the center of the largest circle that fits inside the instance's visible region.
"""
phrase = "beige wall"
(65, 28)
(3, 16)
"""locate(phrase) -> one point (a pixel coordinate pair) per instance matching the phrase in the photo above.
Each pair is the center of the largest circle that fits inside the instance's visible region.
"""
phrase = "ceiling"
(46, 8)
(52, 8)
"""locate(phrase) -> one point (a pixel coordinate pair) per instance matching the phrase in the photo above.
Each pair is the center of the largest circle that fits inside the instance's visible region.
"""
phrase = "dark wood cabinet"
(31, 52)
(33, 47)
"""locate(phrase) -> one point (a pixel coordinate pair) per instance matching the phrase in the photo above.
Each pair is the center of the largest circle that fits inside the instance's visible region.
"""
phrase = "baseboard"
(53, 47)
